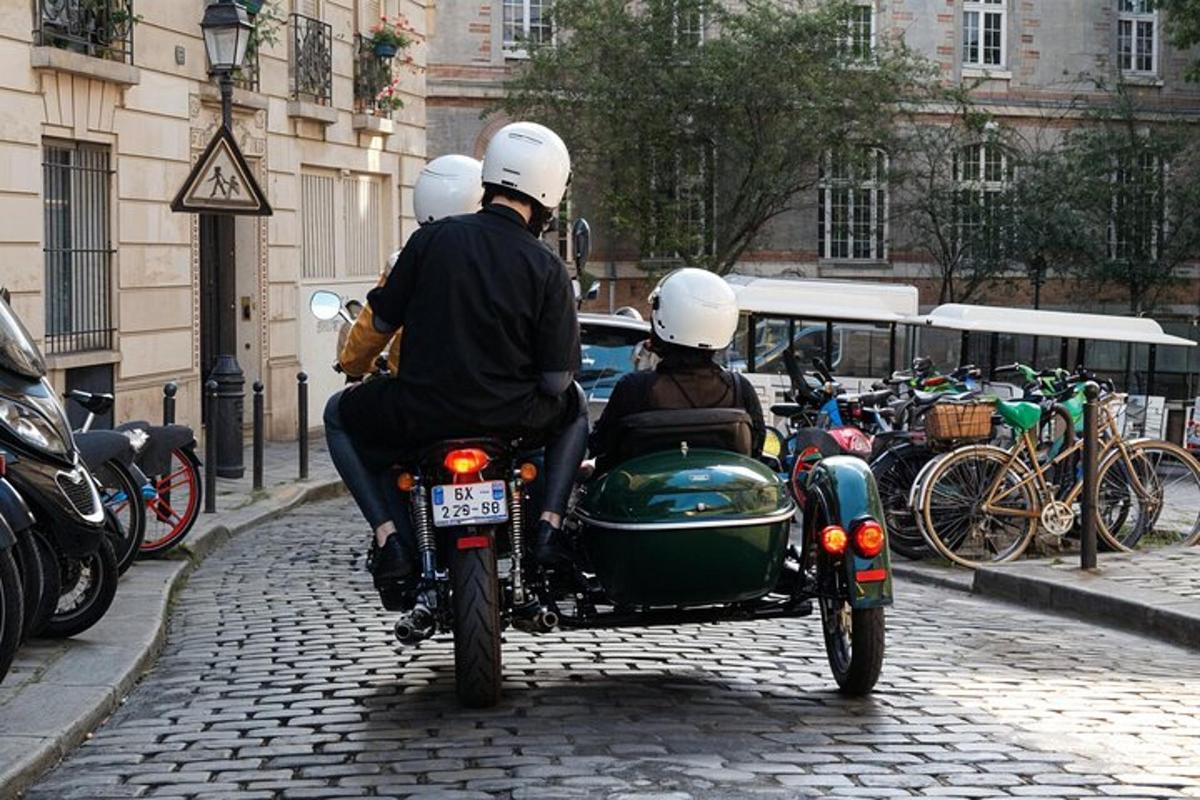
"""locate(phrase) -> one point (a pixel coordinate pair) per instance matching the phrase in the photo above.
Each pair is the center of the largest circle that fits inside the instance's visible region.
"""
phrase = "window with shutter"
(362, 205)
(317, 246)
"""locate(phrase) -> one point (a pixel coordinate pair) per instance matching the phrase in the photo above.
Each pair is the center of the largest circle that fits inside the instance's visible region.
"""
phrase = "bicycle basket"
(959, 420)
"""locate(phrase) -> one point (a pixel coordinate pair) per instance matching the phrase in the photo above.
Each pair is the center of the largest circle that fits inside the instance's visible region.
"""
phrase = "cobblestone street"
(281, 679)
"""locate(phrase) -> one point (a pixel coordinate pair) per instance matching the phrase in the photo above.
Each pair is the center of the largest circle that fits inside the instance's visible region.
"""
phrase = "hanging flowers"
(390, 36)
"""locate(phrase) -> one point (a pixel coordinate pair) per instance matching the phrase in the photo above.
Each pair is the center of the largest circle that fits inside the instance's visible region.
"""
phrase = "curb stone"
(75, 695)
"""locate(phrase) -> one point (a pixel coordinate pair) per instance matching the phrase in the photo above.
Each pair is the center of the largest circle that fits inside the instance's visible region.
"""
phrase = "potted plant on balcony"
(389, 37)
(388, 99)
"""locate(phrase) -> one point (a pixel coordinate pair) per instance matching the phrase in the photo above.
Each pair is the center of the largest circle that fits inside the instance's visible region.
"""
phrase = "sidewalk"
(60, 690)
(1155, 593)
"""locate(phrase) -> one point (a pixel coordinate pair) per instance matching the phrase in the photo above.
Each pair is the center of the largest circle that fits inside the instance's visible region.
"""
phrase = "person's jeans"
(369, 490)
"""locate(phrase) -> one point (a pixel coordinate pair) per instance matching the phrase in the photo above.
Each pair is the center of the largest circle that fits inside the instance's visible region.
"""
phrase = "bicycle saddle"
(95, 403)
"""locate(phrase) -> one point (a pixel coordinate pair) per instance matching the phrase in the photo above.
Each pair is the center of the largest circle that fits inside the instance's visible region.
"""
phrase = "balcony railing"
(372, 74)
(98, 28)
(312, 60)
(246, 77)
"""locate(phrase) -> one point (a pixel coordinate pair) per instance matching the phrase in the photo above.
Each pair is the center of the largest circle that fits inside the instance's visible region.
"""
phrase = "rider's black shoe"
(550, 546)
(391, 562)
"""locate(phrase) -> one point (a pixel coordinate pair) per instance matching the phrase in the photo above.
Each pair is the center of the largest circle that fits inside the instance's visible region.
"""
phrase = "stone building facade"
(103, 118)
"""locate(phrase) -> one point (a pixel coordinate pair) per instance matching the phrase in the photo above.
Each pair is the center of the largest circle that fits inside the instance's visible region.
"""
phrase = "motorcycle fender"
(846, 489)
(99, 447)
(13, 510)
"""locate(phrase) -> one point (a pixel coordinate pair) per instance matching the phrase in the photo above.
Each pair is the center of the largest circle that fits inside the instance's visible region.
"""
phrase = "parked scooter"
(44, 466)
(12, 598)
(36, 562)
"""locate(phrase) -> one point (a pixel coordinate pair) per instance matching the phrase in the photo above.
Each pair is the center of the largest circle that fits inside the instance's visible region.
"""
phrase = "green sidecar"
(705, 535)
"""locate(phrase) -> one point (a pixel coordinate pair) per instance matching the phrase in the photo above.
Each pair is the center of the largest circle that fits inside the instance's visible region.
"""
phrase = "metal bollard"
(302, 424)
(210, 448)
(1091, 448)
(169, 392)
(258, 435)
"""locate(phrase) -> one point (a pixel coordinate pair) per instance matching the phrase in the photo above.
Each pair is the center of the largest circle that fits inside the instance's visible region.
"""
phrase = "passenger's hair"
(676, 355)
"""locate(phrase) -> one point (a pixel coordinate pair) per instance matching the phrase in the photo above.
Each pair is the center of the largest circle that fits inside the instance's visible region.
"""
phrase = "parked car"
(610, 344)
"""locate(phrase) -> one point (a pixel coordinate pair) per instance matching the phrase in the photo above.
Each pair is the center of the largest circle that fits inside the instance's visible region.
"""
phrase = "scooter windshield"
(18, 353)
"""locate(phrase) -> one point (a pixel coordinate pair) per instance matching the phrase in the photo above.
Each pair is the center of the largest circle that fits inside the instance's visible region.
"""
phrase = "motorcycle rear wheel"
(11, 610)
(475, 596)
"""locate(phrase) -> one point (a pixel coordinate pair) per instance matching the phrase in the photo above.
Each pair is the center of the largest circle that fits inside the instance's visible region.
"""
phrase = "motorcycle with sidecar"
(686, 526)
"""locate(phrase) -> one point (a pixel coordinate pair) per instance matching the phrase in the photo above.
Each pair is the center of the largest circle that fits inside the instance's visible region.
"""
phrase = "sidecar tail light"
(468, 461)
(869, 538)
(834, 540)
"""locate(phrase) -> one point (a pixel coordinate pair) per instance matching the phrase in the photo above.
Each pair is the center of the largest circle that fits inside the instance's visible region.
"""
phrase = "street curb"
(1095, 599)
(944, 577)
(94, 700)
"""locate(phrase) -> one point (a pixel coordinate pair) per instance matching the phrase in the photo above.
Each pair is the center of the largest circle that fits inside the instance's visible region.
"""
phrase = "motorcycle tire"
(33, 580)
(895, 470)
(854, 642)
(51, 589)
(88, 588)
(11, 610)
(123, 501)
(475, 597)
(184, 473)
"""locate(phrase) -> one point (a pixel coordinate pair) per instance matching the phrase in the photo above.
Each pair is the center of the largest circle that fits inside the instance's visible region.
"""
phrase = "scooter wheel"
(10, 610)
(51, 584)
(88, 587)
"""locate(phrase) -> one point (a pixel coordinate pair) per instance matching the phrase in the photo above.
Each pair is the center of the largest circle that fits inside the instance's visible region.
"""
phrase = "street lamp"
(226, 28)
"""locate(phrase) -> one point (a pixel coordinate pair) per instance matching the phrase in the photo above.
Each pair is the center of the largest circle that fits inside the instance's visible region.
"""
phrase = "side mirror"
(581, 236)
(325, 305)
(593, 291)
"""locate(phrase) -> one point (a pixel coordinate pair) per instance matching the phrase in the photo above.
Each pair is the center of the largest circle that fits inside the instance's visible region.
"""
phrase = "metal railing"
(98, 28)
(78, 247)
(312, 60)
(372, 74)
(247, 76)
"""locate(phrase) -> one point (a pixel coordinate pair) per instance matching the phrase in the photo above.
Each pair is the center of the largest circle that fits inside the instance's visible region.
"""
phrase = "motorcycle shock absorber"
(516, 523)
(423, 527)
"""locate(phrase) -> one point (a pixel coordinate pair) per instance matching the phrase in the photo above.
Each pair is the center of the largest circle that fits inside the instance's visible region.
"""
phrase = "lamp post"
(226, 27)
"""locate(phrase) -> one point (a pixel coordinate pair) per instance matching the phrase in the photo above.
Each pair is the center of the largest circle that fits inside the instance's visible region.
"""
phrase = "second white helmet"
(694, 308)
(448, 185)
(530, 159)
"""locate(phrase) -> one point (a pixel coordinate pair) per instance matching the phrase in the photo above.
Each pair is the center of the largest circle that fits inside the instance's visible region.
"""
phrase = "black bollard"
(169, 392)
(1091, 448)
(302, 425)
(210, 448)
(231, 397)
(258, 435)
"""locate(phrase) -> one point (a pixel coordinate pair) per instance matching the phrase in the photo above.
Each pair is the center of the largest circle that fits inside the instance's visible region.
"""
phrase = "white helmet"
(531, 159)
(694, 308)
(447, 186)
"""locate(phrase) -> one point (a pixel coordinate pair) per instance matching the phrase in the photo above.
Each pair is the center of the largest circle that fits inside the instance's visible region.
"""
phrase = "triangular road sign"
(221, 182)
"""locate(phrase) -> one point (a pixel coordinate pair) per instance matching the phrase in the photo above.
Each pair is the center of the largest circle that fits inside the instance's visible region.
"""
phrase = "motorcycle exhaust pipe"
(534, 618)
(414, 626)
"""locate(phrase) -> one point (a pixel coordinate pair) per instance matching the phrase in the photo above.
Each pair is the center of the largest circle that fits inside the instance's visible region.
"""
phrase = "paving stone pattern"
(280, 680)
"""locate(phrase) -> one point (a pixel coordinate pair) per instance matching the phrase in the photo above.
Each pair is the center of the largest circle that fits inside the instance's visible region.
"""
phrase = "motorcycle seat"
(96, 403)
(875, 399)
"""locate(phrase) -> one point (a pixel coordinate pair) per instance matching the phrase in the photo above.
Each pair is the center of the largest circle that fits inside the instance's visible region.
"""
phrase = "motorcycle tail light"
(869, 538)
(467, 461)
(834, 540)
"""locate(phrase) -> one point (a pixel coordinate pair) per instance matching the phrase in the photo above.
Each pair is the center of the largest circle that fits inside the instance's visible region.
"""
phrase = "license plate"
(470, 504)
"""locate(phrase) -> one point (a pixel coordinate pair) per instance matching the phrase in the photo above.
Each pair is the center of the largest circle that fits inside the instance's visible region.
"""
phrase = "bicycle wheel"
(1158, 489)
(957, 521)
(173, 512)
(895, 471)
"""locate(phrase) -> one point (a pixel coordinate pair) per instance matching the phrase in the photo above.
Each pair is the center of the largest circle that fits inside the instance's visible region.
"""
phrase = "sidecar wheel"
(475, 592)
(854, 642)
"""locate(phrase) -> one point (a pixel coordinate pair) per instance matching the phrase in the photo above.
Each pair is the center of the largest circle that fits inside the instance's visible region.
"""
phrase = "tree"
(1183, 24)
(1136, 186)
(693, 125)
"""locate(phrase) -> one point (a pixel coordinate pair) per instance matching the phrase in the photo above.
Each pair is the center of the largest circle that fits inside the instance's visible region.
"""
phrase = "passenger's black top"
(672, 386)
(485, 307)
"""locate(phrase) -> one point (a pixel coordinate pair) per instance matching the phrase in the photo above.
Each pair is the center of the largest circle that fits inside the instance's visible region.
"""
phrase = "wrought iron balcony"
(246, 77)
(372, 74)
(312, 60)
(98, 28)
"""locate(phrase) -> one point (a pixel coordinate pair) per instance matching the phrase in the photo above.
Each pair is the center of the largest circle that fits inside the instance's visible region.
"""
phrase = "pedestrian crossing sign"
(221, 182)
